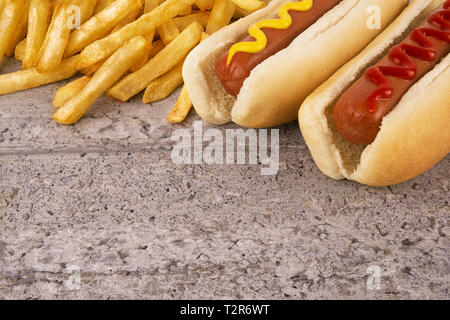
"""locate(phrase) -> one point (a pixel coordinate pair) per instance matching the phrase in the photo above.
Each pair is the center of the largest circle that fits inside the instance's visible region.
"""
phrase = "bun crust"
(413, 137)
(274, 90)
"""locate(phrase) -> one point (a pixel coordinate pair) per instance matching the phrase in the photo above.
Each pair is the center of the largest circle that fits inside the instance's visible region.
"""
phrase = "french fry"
(38, 21)
(144, 25)
(204, 36)
(187, 10)
(20, 32)
(184, 104)
(19, 52)
(165, 60)
(181, 109)
(204, 4)
(52, 50)
(143, 60)
(9, 20)
(31, 78)
(129, 18)
(220, 16)
(240, 13)
(100, 25)
(104, 78)
(69, 91)
(94, 68)
(150, 36)
(199, 16)
(249, 5)
(116, 38)
(157, 46)
(139, 63)
(85, 71)
(168, 30)
(149, 5)
(162, 87)
(147, 55)
(87, 8)
(102, 4)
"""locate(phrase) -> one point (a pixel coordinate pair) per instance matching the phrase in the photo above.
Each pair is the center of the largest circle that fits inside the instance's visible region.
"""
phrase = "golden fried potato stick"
(182, 108)
(19, 52)
(184, 104)
(240, 13)
(201, 17)
(162, 87)
(100, 25)
(249, 5)
(153, 50)
(20, 32)
(149, 36)
(149, 5)
(220, 16)
(69, 91)
(145, 57)
(187, 10)
(144, 25)
(157, 46)
(204, 4)
(104, 78)
(102, 4)
(52, 50)
(85, 71)
(9, 20)
(38, 21)
(87, 8)
(168, 30)
(139, 63)
(31, 78)
(165, 60)
(129, 18)
(94, 68)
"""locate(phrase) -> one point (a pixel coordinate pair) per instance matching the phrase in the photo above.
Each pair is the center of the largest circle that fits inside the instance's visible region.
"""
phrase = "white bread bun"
(414, 136)
(273, 92)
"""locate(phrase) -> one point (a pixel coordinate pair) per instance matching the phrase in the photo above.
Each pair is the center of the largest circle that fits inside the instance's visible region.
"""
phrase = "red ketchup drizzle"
(401, 53)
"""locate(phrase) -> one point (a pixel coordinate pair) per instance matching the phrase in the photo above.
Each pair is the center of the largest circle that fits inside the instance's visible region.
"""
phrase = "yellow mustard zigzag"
(260, 42)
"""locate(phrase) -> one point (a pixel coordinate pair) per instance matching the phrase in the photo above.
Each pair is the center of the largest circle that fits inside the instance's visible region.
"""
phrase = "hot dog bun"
(271, 95)
(414, 136)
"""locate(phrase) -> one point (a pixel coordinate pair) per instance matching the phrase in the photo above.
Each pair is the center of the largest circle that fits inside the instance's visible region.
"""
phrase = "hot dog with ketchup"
(392, 122)
(360, 110)
(257, 71)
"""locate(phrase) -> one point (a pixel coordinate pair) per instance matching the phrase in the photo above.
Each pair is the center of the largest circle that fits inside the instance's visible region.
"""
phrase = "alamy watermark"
(234, 146)
(374, 279)
(374, 20)
(74, 280)
(74, 21)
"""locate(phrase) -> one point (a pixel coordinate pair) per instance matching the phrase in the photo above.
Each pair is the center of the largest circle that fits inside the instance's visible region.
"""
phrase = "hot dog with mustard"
(266, 38)
(257, 71)
(392, 122)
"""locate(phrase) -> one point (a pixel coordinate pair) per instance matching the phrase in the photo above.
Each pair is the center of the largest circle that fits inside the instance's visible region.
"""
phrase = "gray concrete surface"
(104, 196)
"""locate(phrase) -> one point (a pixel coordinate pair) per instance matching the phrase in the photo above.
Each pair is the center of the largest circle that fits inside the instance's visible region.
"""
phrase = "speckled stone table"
(99, 210)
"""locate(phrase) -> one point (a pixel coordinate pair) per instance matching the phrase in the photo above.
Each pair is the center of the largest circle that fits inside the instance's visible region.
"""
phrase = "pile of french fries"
(120, 47)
